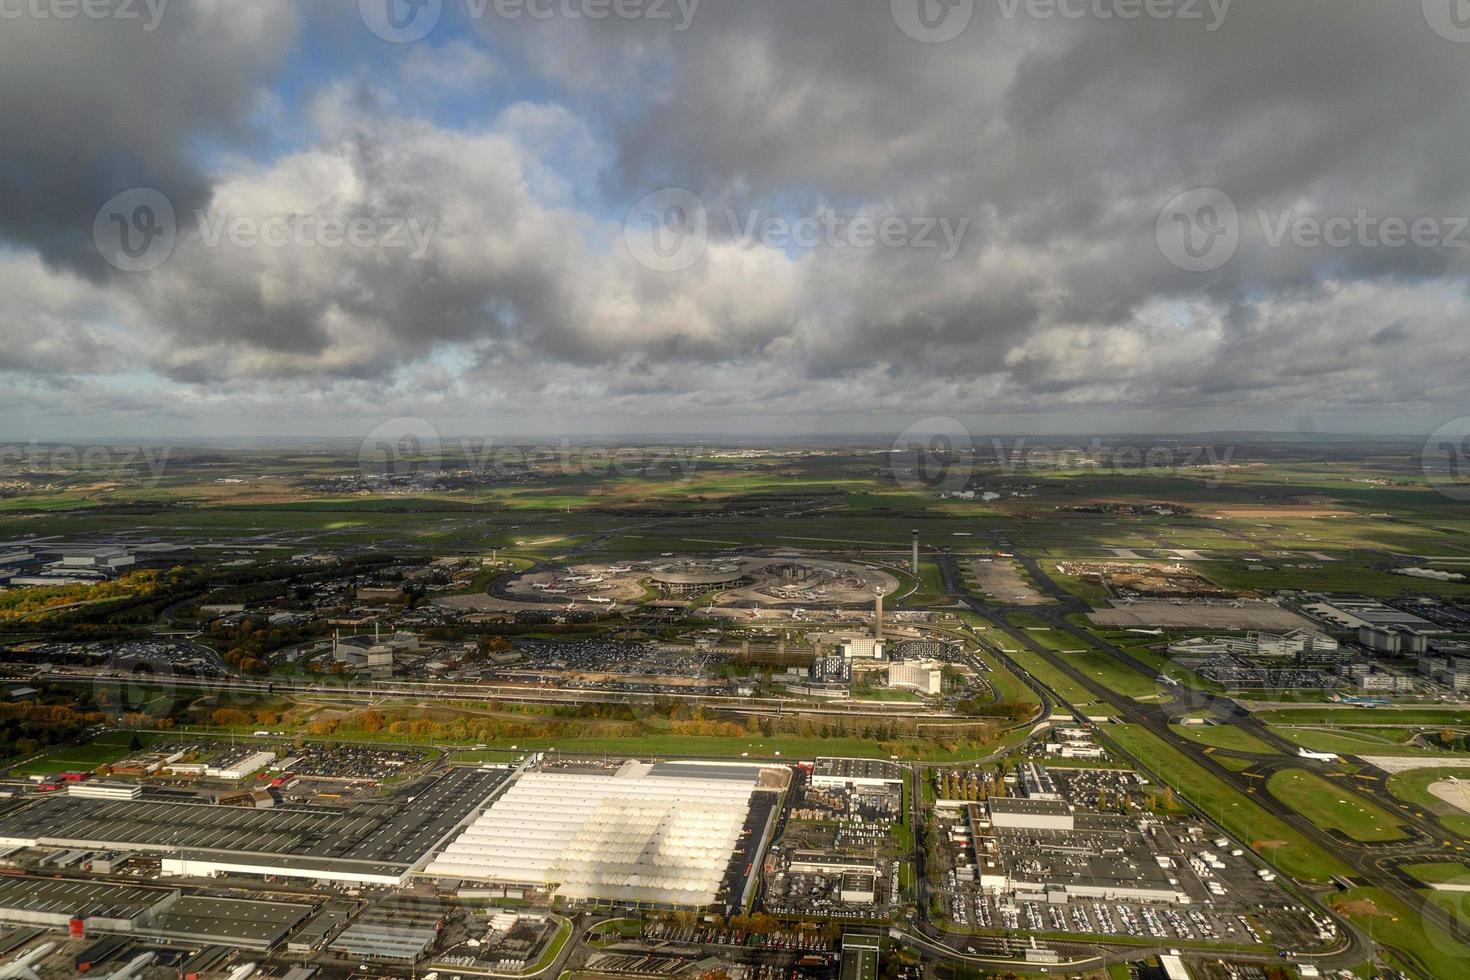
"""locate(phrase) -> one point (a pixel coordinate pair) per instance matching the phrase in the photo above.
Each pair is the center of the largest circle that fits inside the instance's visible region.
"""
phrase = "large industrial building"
(660, 834)
(377, 844)
(835, 773)
(147, 912)
(1048, 849)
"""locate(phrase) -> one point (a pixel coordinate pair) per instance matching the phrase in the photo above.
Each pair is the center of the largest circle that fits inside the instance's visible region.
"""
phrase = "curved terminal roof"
(698, 574)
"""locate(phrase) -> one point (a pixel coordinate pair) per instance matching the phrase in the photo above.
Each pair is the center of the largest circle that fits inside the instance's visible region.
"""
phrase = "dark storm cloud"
(94, 106)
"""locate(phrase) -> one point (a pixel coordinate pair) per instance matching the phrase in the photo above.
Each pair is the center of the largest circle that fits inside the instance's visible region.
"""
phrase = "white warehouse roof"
(644, 834)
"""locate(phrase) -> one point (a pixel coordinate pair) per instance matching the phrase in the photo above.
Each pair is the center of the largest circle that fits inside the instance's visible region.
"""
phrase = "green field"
(1349, 717)
(1333, 806)
(1051, 677)
(1345, 741)
(1412, 786)
(1097, 664)
(1006, 685)
(1224, 737)
(1442, 873)
(887, 694)
(107, 747)
(1388, 921)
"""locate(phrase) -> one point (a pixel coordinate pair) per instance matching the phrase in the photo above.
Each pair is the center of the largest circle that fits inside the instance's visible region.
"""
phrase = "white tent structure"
(659, 834)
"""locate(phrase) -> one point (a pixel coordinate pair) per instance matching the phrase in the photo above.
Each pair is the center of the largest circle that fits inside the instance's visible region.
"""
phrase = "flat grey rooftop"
(392, 834)
(78, 899)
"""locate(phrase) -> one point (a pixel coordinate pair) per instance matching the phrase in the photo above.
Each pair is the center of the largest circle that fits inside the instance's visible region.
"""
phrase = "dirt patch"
(1268, 845)
(1360, 907)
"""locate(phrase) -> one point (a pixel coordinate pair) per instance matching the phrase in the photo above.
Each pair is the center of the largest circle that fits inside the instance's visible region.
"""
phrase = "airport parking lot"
(1097, 917)
(611, 657)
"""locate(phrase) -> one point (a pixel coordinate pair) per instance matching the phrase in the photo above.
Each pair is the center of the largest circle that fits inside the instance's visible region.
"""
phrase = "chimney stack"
(878, 615)
(915, 568)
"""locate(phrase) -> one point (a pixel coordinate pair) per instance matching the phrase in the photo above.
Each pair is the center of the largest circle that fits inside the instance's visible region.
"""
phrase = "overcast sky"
(783, 216)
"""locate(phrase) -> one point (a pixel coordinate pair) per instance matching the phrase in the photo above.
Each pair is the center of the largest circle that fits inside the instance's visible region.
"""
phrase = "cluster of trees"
(971, 785)
(145, 721)
(22, 603)
(239, 717)
(1162, 802)
(28, 727)
(463, 729)
(247, 645)
(709, 728)
(756, 923)
(1453, 740)
(141, 597)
